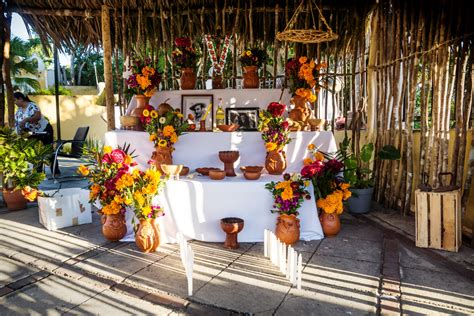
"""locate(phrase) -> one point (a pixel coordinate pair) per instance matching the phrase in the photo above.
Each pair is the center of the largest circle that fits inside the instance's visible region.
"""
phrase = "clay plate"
(251, 168)
(205, 171)
(228, 128)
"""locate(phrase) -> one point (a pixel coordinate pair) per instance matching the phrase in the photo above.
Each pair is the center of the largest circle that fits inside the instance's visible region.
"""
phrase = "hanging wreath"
(218, 63)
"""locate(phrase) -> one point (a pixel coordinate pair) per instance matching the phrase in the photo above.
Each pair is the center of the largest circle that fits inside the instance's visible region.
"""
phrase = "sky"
(19, 29)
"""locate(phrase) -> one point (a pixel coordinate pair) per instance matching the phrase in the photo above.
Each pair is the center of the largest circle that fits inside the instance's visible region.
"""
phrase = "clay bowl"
(252, 175)
(229, 156)
(228, 128)
(217, 174)
(184, 171)
(251, 169)
(172, 169)
(205, 171)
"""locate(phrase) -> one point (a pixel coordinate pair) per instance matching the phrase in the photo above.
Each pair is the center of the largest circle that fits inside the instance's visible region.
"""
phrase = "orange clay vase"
(288, 228)
(330, 223)
(147, 236)
(14, 200)
(114, 227)
(275, 162)
(142, 102)
(162, 156)
(251, 77)
(187, 79)
(301, 111)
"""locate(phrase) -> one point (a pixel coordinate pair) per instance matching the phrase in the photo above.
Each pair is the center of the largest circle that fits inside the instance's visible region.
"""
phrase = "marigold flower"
(270, 146)
(311, 147)
(152, 137)
(83, 170)
(318, 156)
(303, 59)
(307, 161)
(168, 131)
(174, 138)
(107, 149)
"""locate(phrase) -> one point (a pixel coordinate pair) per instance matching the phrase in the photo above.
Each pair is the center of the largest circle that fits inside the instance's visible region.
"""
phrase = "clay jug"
(330, 223)
(162, 156)
(251, 77)
(187, 79)
(301, 111)
(288, 229)
(114, 227)
(147, 236)
(275, 162)
(14, 200)
(142, 102)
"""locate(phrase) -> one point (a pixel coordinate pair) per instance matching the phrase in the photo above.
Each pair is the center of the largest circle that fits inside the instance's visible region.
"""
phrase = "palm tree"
(21, 63)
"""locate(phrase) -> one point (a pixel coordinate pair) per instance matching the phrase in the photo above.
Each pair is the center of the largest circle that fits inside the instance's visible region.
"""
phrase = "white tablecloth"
(195, 206)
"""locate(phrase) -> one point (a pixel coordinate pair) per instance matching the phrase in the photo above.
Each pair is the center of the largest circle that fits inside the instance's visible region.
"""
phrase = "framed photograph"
(247, 118)
(196, 104)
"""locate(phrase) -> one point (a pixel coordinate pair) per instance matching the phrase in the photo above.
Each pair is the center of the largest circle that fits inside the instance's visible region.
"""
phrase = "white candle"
(189, 272)
(300, 271)
(283, 258)
(292, 265)
(265, 243)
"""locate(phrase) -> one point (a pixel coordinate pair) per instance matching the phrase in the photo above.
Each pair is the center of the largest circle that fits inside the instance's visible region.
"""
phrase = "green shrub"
(52, 91)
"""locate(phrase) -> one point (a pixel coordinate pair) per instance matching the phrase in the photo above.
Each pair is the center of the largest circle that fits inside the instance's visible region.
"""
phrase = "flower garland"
(211, 48)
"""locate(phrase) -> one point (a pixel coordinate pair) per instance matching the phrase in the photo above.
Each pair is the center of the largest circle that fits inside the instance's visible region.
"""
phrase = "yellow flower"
(303, 59)
(139, 198)
(118, 199)
(283, 185)
(128, 201)
(107, 149)
(112, 208)
(146, 210)
(168, 131)
(179, 115)
(148, 71)
(149, 92)
(29, 193)
(287, 194)
(154, 114)
(146, 113)
(270, 146)
(128, 160)
(152, 137)
(306, 183)
(248, 53)
(135, 173)
(174, 138)
(83, 170)
(312, 98)
(162, 143)
(344, 186)
(143, 81)
(318, 156)
(307, 161)
(125, 181)
(311, 147)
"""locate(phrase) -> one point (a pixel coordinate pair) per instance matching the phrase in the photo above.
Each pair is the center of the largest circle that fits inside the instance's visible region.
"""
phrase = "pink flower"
(276, 109)
(117, 155)
(285, 125)
(107, 159)
(312, 170)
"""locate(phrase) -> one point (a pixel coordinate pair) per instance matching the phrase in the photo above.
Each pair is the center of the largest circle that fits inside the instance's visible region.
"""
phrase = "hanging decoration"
(218, 63)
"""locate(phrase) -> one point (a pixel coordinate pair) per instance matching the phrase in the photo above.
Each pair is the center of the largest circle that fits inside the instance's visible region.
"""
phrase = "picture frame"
(196, 104)
(247, 118)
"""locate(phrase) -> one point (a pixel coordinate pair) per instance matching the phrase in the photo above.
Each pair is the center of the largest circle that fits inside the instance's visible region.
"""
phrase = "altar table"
(195, 206)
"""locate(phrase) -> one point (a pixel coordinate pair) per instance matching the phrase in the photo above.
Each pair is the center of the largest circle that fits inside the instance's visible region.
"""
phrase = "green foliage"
(389, 152)
(21, 62)
(17, 153)
(52, 91)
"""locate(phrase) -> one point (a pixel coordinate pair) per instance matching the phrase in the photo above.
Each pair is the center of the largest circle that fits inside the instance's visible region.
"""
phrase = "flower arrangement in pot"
(109, 172)
(143, 81)
(185, 58)
(330, 188)
(303, 75)
(17, 154)
(251, 60)
(144, 187)
(276, 136)
(165, 128)
(288, 195)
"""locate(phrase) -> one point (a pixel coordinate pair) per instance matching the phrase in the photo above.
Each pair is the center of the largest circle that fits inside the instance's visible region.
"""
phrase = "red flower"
(276, 109)
(107, 159)
(334, 165)
(117, 155)
(285, 125)
(312, 170)
(182, 42)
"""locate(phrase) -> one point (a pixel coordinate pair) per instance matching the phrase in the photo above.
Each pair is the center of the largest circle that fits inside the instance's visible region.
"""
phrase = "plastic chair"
(76, 147)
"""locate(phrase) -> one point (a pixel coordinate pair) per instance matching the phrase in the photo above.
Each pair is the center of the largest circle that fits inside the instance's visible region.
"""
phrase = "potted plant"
(110, 174)
(330, 188)
(251, 60)
(360, 176)
(288, 195)
(276, 136)
(185, 58)
(17, 155)
(144, 187)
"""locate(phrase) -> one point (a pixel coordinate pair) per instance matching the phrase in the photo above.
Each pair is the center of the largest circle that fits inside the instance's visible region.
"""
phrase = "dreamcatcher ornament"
(218, 63)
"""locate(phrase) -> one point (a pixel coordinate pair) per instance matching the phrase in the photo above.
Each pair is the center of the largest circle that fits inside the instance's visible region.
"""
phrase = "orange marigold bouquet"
(303, 75)
(110, 175)
(144, 79)
(288, 195)
(330, 189)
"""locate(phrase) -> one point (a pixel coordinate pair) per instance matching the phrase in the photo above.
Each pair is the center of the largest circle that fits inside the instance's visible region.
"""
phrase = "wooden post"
(109, 89)
(6, 71)
(2, 42)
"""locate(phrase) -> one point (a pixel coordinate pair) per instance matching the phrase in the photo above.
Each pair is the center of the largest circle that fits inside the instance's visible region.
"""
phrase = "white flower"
(295, 177)
(162, 120)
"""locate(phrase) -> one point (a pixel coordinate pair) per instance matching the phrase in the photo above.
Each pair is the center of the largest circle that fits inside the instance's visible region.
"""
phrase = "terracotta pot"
(288, 228)
(251, 80)
(147, 236)
(301, 111)
(162, 156)
(232, 226)
(14, 200)
(217, 82)
(188, 79)
(228, 157)
(330, 223)
(142, 102)
(275, 162)
(114, 227)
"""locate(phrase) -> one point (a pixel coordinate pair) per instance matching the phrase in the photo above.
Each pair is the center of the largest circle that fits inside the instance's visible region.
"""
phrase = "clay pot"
(330, 223)
(252, 175)
(301, 111)
(147, 236)
(216, 174)
(232, 226)
(188, 79)
(162, 156)
(251, 80)
(142, 102)
(275, 162)
(114, 227)
(14, 200)
(288, 228)
(228, 158)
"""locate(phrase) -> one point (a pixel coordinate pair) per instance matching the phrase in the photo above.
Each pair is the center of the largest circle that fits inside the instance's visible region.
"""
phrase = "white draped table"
(195, 206)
